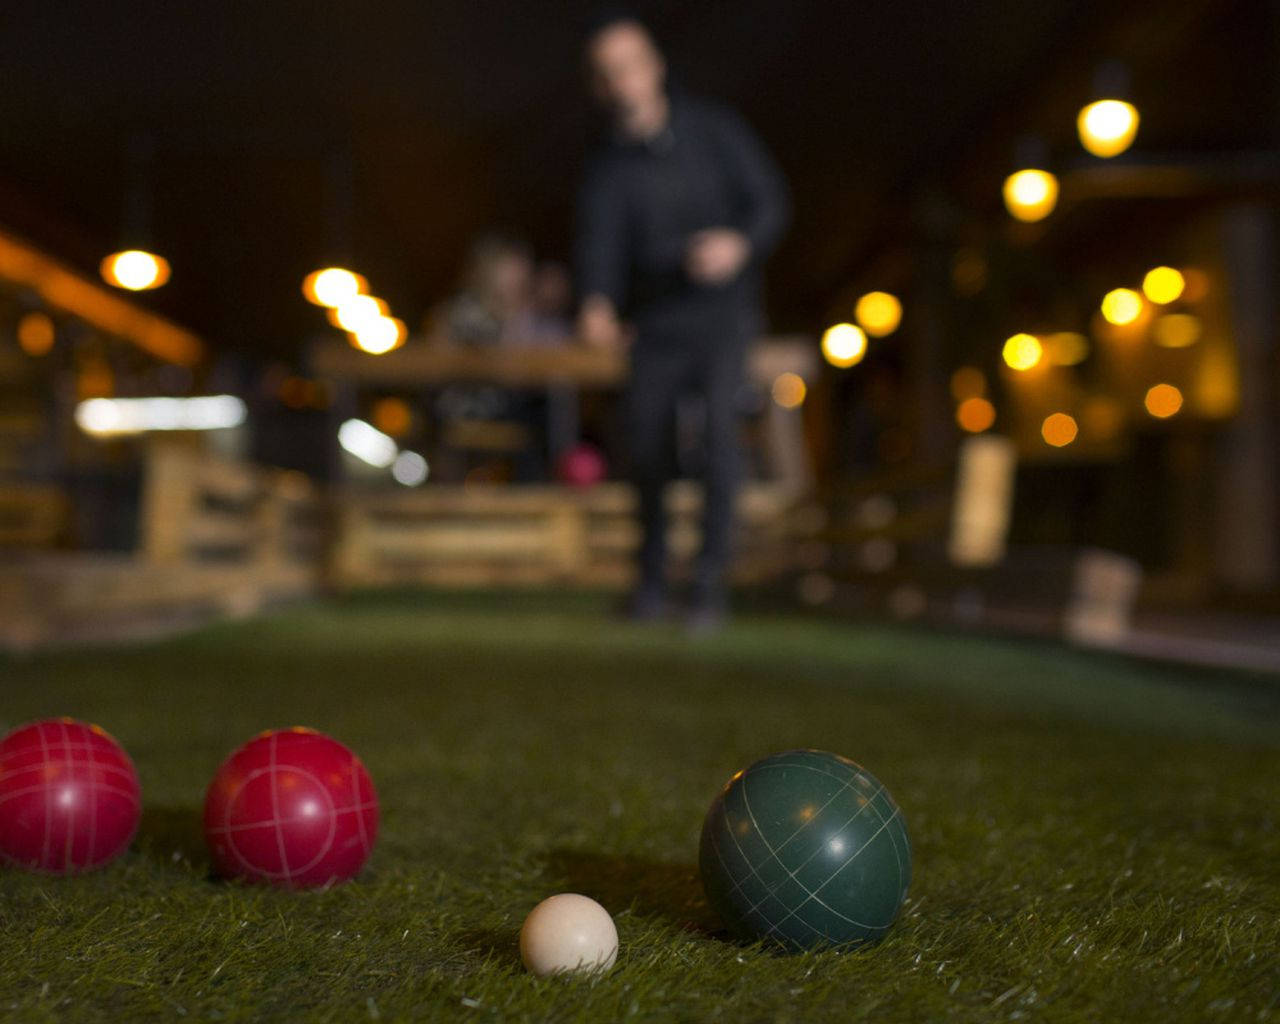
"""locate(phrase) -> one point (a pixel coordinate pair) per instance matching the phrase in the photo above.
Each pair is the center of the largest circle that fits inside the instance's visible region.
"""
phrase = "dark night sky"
(462, 116)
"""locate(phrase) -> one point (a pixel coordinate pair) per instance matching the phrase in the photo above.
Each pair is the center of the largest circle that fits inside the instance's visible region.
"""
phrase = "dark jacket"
(641, 201)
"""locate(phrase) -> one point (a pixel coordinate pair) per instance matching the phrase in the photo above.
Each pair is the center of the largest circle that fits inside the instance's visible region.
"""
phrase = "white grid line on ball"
(760, 878)
(68, 849)
(848, 783)
(250, 825)
(845, 783)
(45, 787)
(884, 823)
(57, 749)
(357, 769)
(275, 809)
(229, 830)
(858, 852)
(48, 795)
(810, 896)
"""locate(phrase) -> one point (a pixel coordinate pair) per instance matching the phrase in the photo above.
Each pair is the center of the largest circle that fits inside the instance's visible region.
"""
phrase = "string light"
(1059, 429)
(975, 415)
(789, 390)
(1163, 401)
(332, 286)
(135, 270)
(1022, 351)
(1163, 285)
(844, 345)
(1107, 127)
(1030, 194)
(1121, 306)
(878, 313)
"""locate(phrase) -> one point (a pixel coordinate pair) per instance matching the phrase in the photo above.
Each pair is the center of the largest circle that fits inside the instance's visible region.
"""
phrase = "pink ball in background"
(291, 807)
(581, 466)
(69, 797)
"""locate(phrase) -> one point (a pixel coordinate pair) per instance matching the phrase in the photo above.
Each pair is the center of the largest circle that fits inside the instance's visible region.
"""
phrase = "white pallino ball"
(568, 932)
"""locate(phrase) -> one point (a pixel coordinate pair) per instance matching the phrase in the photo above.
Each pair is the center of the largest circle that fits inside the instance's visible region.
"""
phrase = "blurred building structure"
(1125, 341)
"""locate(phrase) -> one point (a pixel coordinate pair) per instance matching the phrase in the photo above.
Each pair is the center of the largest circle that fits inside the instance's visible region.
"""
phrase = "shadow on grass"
(498, 945)
(672, 892)
(173, 835)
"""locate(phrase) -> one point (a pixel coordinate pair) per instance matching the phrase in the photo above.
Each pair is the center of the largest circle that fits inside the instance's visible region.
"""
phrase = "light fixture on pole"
(1108, 125)
(1031, 191)
(135, 266)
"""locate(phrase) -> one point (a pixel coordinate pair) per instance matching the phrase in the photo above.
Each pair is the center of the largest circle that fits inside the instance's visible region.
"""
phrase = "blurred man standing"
(676, 218)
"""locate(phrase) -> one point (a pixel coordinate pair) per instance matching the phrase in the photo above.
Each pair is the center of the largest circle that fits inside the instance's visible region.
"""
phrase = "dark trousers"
(662, 372)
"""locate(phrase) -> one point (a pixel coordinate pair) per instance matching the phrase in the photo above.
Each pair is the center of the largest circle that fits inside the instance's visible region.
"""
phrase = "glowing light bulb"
(1163, 285)
(1121, 306)
(332, 286)
(789, 390)
(357, 312)
(135, 270)
(878, 313)
(1163, 401)
(1030, 194)
(844, 344)
(975, 415)
(1023, 351)
(1107, 127)
(379, 335)
(36, 333)
(1059, 429)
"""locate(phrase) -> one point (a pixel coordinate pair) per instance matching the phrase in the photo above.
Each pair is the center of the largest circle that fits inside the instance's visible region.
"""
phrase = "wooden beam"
(424, 363)
(68, 292)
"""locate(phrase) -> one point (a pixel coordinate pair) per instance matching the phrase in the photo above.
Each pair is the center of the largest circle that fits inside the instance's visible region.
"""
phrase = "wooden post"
(169, 497)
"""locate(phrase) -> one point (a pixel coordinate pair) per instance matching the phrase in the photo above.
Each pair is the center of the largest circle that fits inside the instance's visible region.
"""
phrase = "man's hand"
(715, 256)
(598, 324)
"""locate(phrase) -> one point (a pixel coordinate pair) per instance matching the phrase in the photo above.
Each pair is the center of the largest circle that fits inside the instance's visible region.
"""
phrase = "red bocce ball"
(293, 808)
(69, 797)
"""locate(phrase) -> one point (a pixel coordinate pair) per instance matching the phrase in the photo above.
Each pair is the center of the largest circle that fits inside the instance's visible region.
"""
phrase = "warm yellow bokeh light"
(1066, 348)
(1121, 306)
(36, 333)
(789, 390)
(975, 415)
(1107, 127)
(1023, 351)
(1030, 195)
(357, 312)
(1163, 401)
(878, 313)
(1059, 429)
(392, 416)
(379, 335)
(968, 382)
(1163, 285)
(332, 286)
(135, 270)
(1177, 330)
(844, 344)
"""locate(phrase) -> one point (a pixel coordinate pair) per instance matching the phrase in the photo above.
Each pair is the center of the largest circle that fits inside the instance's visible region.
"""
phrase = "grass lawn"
(1095, 839)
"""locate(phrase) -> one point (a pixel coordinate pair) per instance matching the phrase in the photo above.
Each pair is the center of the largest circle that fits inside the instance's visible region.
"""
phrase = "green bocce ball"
(805, 849)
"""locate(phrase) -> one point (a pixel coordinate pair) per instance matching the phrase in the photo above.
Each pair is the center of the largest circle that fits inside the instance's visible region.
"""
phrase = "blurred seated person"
(504, 304)
(551, 322)
(495, 303)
